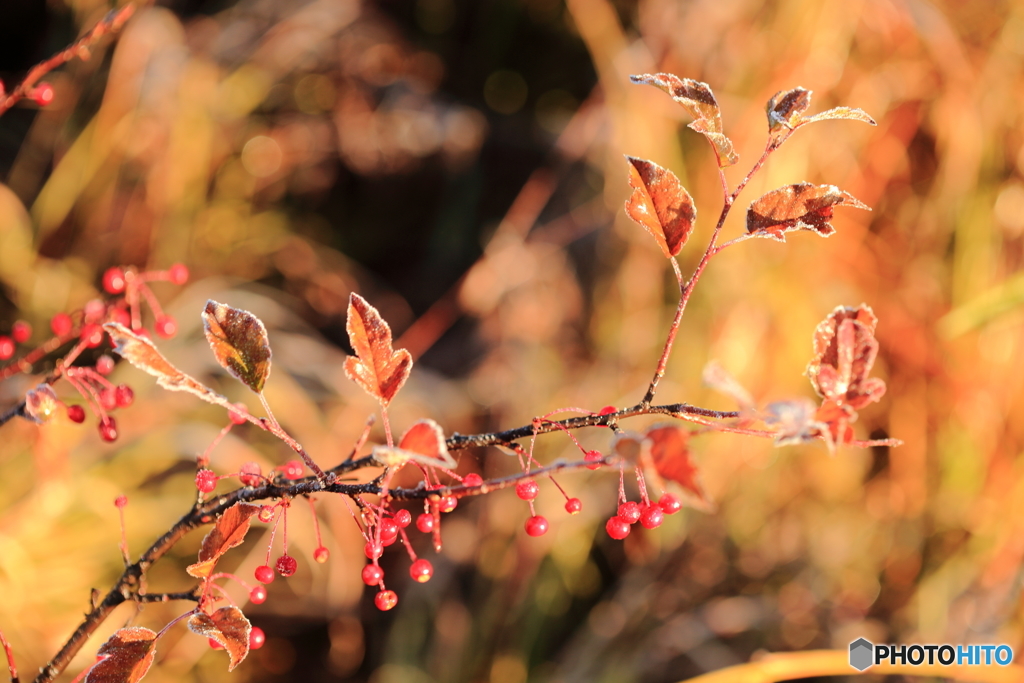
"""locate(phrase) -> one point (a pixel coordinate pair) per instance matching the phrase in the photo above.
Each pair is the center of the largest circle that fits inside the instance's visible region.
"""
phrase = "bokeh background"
(459, 163)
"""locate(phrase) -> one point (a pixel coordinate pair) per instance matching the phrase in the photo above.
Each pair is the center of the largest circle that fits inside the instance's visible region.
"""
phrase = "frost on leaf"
(125, 657)
(803, 206)
(140, 352)
(227, 533)
(660, 204)
(786, 113)
(847, 113)
(377, 367)
(669, 450)
(698, 100)
(227, 626)
(422, 443)
(239, 341)
(845, 349)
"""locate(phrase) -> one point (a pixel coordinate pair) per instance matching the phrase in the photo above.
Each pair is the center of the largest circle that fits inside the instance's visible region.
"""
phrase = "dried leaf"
(140, 352)
(719, 379)
(229, 627)
(697, 99)
(845, 349)
(803, 206)
(228, 532)
(423, 443)
(377, 367)
(660, 204)
(125, 657)
(670, 455)
(629, 446)
(239, 341)
(785, 112)
(794, 421)
(848, 113)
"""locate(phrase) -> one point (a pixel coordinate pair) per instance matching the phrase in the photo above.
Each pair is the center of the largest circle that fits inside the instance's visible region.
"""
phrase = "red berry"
(617, 528)
(166, 326)
(94, 310)
(250, 474)
(264, 574)
(214, 645)
(652, 517)
(61, 324)
(573, 506)
(266, 513)
(286, 565)
(472, 479)
(258, 595)
(119, 315)
(256, 638)
(104, 365)
(388, 531)
(113, 280)
(591, 456)
(607, 410)
(108, 429)
(321, 554)
(292, 470)
(630, 512)
(91, 335)
(536, 526)
(6, 347)
(124, 395)
(372, 550)
(669, 504)
(42, 94)
(108, 398)
(527, 489)
(386, 600)
(121, 501)
(76, 414)
(21, 331)
(447, 503)
(403, 518)
(238, 416)
(178, 274)
(372, 574)
(425, 522)
(206, 480)
(421, 570)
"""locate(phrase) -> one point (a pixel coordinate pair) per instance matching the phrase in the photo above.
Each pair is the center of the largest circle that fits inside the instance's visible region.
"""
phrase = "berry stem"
(12, 667)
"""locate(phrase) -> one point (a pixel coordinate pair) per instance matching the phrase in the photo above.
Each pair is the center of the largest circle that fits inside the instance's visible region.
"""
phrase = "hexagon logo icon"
(861, 654)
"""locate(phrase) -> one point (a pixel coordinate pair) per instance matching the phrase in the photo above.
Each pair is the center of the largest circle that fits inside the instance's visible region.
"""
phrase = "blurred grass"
(291, 154)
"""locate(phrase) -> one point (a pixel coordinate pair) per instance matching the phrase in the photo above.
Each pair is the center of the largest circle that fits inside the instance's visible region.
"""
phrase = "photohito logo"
(863, 653)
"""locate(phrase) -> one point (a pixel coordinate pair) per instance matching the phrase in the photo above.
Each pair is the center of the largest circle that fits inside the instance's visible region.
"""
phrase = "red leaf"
(803, 206)
(377, 367)
(239, 341)
(697, 99)
(670, 455)
(229, 627)
(228, 532)
(660, 204)
(845, 349)
(125, 657)
(422, 443)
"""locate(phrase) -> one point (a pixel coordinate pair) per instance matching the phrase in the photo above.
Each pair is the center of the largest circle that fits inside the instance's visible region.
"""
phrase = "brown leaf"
(140, 352)
(794, 421)
(660, 204)
(697, 99)
(422, 443)
(239, 341)
(848, 113)
(377, 367)
(228, 532)
(229, 627)
(125, 657)
(670, 456)
(803, 206)
(845, 349)
(785, 111)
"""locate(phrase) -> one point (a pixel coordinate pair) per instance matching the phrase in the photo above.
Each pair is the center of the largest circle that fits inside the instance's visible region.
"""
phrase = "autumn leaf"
(793, 421)
(377, 367)
(847, 113)
(423, 443)
(698, 100)
(668, 446)
(140, 352)
(785, 112)
(660, 204)
(803, 206)
(125, 657)
(227, 533)
(239, 341)
(845, 349)
(227, 626)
